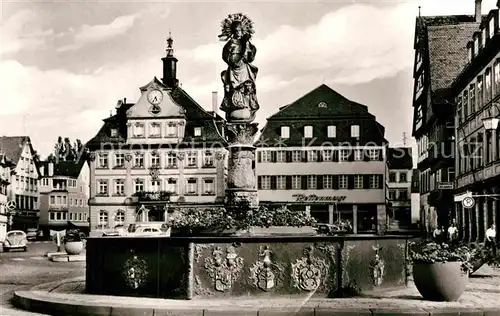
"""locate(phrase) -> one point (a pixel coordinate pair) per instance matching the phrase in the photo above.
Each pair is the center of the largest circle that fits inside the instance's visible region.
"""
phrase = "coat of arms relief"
(224, 267)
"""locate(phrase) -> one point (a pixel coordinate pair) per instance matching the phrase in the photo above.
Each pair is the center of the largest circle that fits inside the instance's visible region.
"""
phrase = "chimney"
(51, 169)
(478, 11)
(214, 102)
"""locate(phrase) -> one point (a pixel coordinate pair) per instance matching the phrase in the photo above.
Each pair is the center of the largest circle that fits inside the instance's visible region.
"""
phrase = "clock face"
(155, 97)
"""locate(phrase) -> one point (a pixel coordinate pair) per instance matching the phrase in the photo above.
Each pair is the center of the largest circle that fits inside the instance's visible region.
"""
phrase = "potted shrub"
(73, 243)
(481, 255)
(440, 270)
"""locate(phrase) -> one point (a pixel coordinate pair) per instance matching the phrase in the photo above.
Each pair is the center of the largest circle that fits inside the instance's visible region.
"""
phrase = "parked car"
(119, 230)
(32, 233)
(146, 229)
(15, 239)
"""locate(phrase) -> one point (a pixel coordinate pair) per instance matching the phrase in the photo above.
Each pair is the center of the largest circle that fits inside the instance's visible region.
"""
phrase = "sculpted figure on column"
(240, 99)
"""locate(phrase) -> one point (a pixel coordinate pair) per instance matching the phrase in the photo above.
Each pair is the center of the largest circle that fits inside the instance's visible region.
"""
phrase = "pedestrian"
(438, 234)
(452, 233)
(491, 241)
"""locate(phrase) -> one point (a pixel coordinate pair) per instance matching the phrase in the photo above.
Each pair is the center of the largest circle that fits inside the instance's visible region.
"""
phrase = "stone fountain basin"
(232, 266)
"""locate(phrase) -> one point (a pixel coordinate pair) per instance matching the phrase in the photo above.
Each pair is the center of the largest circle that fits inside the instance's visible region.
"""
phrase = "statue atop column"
(240, 98)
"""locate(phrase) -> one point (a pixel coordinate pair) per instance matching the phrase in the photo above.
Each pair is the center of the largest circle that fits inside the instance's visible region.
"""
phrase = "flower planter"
(278, 231)
(440, 281)
(476, 265)
(73, 247)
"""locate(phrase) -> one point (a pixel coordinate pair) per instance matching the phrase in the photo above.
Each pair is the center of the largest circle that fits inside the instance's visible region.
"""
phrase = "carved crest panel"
(266, 274)
(135, 272)
(377, 267)
(309, 272)
(224, 268)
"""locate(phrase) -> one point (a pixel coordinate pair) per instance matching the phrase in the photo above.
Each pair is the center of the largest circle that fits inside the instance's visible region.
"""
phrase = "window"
(119, 217)
(476, 46)
(265, 156)
(374, 182)
(208, 159)
(114, 132)
(311, 182)
(358, 181)
(392, 176)
(138, 130)
(172, 185)
(52, 216)
(192, 186)
(496, 76)
(155, 159)
(296, 182)
(312, 156)
(119, 160)
(328, 155)
(103, 187)
(392, 195)
(373, 154)
(492, 27)
(322, 105)
(308, 131)
(155, 185)
(58, 200)
(327, 181)
(331, 131)
(358, 154)
(139, 160)
(285, 131)
(191, 159)
(281, 182)
(171, 160)
(208, 186)
(451, 174)
(472, 99)
(58, 216)
(344, 154)
(265, 182)
(355, 131)
(103, 219)
(171, 130)
(343, 181)
(103, 160)
(71, 216)
(139, 185)
(296, 156)
(155, 130)
(119, 187)
(483, 37)
(480, 91)
(487, 85)
(281, 156)
(403, 177)
(403, 195)
(64, 200)
(197, 131)
(465, 104)
(52, 200)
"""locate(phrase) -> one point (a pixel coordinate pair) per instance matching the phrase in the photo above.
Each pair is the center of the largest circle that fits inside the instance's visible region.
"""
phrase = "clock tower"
(170, 65)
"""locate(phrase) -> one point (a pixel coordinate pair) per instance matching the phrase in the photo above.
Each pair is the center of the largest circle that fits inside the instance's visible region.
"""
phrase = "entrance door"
(156, 214)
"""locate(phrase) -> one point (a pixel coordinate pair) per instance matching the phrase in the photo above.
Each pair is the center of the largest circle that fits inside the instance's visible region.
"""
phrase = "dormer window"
(331, 131)
(322, 105)
(285, 131)
(155, 130)
(197, 131)
(138, 130)
(492, 27)
(171, 130)
(114, 132)
(308, 131)
(355, 131)
(476, 45)
(483, 37)
(469, 52)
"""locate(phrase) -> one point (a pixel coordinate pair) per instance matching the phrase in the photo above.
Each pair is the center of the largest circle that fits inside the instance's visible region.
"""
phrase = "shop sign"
(313, 198)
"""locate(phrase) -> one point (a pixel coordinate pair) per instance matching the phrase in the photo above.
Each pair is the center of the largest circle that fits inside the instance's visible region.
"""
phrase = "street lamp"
(491, 123)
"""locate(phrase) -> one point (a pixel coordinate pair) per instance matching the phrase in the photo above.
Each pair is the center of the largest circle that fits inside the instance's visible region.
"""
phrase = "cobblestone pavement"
(483, 292)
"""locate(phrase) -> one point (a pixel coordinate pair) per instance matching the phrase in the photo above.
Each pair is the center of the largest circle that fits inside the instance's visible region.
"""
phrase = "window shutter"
(304, 156)
(259, 156)
(288, 156)
(350, 181)
(304, 182)
(259, 182)
(335, 182)
(320, 156)
(273, 182)
(381, 155)
(274, 155)
(380, 181)
(319, 181)
(288, 182)
(366, 181)
(335, 155)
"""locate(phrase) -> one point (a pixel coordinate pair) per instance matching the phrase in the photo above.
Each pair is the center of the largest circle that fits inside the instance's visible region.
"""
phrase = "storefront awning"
(78, 224)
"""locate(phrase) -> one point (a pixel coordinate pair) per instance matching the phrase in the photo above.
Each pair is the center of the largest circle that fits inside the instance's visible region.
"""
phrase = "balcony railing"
(153, 195)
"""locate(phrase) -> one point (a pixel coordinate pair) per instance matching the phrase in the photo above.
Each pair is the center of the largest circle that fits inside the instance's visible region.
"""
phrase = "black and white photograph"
(249, 158)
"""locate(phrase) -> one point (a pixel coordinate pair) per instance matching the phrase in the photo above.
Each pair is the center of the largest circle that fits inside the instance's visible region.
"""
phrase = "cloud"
(22, 32)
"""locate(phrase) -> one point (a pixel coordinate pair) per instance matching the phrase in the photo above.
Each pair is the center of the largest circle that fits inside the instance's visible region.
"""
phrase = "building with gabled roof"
(64, 188)
(440, 55)
(161, 152)
(23, 189)
(6, 167)
(325, 154)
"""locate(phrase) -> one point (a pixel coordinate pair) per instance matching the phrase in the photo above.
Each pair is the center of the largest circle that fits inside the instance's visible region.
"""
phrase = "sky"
(64, 65)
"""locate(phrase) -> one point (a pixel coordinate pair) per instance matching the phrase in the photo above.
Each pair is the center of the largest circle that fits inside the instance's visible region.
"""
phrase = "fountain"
(263, 265)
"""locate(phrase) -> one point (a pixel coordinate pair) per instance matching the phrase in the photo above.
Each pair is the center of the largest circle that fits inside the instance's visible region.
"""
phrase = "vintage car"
(15, 239)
